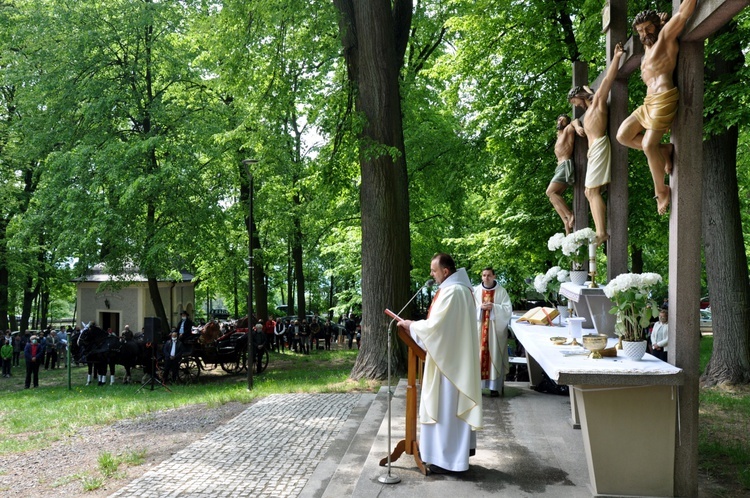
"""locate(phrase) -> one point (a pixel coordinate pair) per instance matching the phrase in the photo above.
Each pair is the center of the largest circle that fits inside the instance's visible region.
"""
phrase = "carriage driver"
(185, 327)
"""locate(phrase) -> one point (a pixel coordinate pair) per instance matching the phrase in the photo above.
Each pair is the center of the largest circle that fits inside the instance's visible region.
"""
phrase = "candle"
(592, 251)
(592, 266)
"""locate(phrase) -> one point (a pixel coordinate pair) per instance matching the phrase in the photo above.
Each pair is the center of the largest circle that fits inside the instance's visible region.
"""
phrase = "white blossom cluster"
(555, 242)
(541, 281)
(576, 240)
(628, 281)
(571, 245)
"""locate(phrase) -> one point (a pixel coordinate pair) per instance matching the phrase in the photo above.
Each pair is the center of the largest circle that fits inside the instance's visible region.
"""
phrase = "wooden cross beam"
(708, 18)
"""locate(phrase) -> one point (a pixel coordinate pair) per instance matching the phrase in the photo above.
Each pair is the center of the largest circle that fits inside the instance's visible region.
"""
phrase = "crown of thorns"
(647, 16)
(580, 91)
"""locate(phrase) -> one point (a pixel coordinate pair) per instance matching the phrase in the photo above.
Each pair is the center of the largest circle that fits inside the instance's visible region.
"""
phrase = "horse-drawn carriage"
(212, 346)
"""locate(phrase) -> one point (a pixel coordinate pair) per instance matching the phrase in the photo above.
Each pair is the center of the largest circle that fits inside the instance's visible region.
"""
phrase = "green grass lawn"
(26, 414)
(724, 432)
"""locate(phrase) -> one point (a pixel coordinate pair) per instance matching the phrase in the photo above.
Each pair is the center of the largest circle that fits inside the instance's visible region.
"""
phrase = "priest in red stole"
(450, 408)
(493, 313)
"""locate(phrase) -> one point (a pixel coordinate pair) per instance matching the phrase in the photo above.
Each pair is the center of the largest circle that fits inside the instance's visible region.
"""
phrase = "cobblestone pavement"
(268, 450)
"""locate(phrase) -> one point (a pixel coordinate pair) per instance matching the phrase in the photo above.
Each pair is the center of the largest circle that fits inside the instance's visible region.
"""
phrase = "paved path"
(268, 450)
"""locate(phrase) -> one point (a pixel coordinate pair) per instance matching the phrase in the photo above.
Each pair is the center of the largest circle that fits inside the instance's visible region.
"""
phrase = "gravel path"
(61, 469)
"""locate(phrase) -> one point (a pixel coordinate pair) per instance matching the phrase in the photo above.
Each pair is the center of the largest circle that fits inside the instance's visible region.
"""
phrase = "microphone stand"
(389, 478)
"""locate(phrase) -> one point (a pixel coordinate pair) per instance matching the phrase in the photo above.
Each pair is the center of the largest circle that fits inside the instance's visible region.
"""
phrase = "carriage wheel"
(189, 371)
(243, 360)
(231, 367)
(264, 362)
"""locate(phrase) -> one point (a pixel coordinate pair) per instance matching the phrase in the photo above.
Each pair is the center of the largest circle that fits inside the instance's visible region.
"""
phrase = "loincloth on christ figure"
(658, 110)
(564, 173)
(599, 170)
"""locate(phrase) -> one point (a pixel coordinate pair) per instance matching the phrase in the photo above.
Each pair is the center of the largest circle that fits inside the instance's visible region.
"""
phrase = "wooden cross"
(685, 206)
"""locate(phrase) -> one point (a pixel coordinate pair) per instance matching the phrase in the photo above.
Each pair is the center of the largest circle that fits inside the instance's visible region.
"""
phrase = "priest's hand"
(406, 324)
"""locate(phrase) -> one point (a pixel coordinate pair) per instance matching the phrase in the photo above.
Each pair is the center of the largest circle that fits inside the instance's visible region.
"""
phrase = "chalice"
(595, 343)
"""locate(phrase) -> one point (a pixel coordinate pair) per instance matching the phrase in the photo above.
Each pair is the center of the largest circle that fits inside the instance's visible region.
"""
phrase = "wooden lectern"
(410, 444)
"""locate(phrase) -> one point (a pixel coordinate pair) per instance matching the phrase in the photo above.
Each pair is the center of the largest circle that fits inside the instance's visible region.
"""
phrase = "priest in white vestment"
(451, 403)
(493, 314)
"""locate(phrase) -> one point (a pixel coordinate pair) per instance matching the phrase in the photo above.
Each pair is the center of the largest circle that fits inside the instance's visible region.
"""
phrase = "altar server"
(493, 313)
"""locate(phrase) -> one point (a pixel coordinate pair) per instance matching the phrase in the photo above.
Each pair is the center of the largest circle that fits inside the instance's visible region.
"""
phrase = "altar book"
(540, 316)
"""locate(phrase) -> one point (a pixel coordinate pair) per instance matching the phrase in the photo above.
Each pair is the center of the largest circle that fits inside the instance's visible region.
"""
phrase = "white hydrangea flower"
(586, 235)
(551, 273)
(650, 279)
(563, 275)
(540, 284)
(555, 242)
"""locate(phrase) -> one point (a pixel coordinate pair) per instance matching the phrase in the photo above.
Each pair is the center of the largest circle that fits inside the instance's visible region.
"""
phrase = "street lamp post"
(250, 232)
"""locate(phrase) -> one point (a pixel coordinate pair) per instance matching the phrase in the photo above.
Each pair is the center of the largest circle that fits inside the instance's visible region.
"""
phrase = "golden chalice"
(595, 343)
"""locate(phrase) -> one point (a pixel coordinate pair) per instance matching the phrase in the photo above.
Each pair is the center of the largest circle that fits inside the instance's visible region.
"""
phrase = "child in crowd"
(6, 354)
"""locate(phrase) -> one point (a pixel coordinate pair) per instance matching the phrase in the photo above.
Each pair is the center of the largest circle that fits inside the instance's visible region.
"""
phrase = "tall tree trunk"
(289, 281)
(374, 35)
(151, 278)
(44, 308)
(636, 257)
(331, 293)
(726, 263)
(299, 272)
(153, 291)
(30, 292)
(259, 278)
(4, 278)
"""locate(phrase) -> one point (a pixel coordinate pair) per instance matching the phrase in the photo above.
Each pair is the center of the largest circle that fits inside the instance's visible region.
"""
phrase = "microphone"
(396, 316)
(390, 479)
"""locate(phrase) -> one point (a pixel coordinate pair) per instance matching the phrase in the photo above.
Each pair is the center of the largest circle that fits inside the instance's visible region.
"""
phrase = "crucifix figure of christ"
(647, 125)
(564, 173)
(594, 126)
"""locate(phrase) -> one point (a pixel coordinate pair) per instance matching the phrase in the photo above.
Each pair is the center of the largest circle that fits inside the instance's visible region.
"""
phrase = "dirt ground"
(65, 467)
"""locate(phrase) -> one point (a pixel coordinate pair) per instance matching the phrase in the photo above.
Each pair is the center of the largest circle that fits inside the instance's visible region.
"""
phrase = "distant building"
(131, 303)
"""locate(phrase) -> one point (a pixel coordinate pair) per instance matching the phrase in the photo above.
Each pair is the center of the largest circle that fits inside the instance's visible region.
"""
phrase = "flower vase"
(578, 277)
(634, 350)
(563, 310)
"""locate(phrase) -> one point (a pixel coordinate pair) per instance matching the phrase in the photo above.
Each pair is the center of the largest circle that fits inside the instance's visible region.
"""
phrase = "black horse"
(90, 343)
(76, 352)
(113, 350)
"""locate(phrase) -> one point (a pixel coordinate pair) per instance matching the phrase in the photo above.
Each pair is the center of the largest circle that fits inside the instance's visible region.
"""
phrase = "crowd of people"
(45, 349)
(303, 336)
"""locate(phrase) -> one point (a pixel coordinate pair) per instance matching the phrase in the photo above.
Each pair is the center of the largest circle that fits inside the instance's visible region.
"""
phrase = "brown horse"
(211, 331)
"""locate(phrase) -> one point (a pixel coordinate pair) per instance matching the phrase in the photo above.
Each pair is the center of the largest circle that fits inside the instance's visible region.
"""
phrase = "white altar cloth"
(565, 367)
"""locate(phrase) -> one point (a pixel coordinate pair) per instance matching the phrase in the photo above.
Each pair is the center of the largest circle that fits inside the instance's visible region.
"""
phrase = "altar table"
(627, 411)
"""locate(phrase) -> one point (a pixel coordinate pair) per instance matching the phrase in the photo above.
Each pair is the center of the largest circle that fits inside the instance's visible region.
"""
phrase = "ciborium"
(595, 343)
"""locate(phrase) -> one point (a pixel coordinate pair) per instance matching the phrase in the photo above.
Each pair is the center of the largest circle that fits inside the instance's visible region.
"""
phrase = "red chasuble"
(488, 296)
(434, 298)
